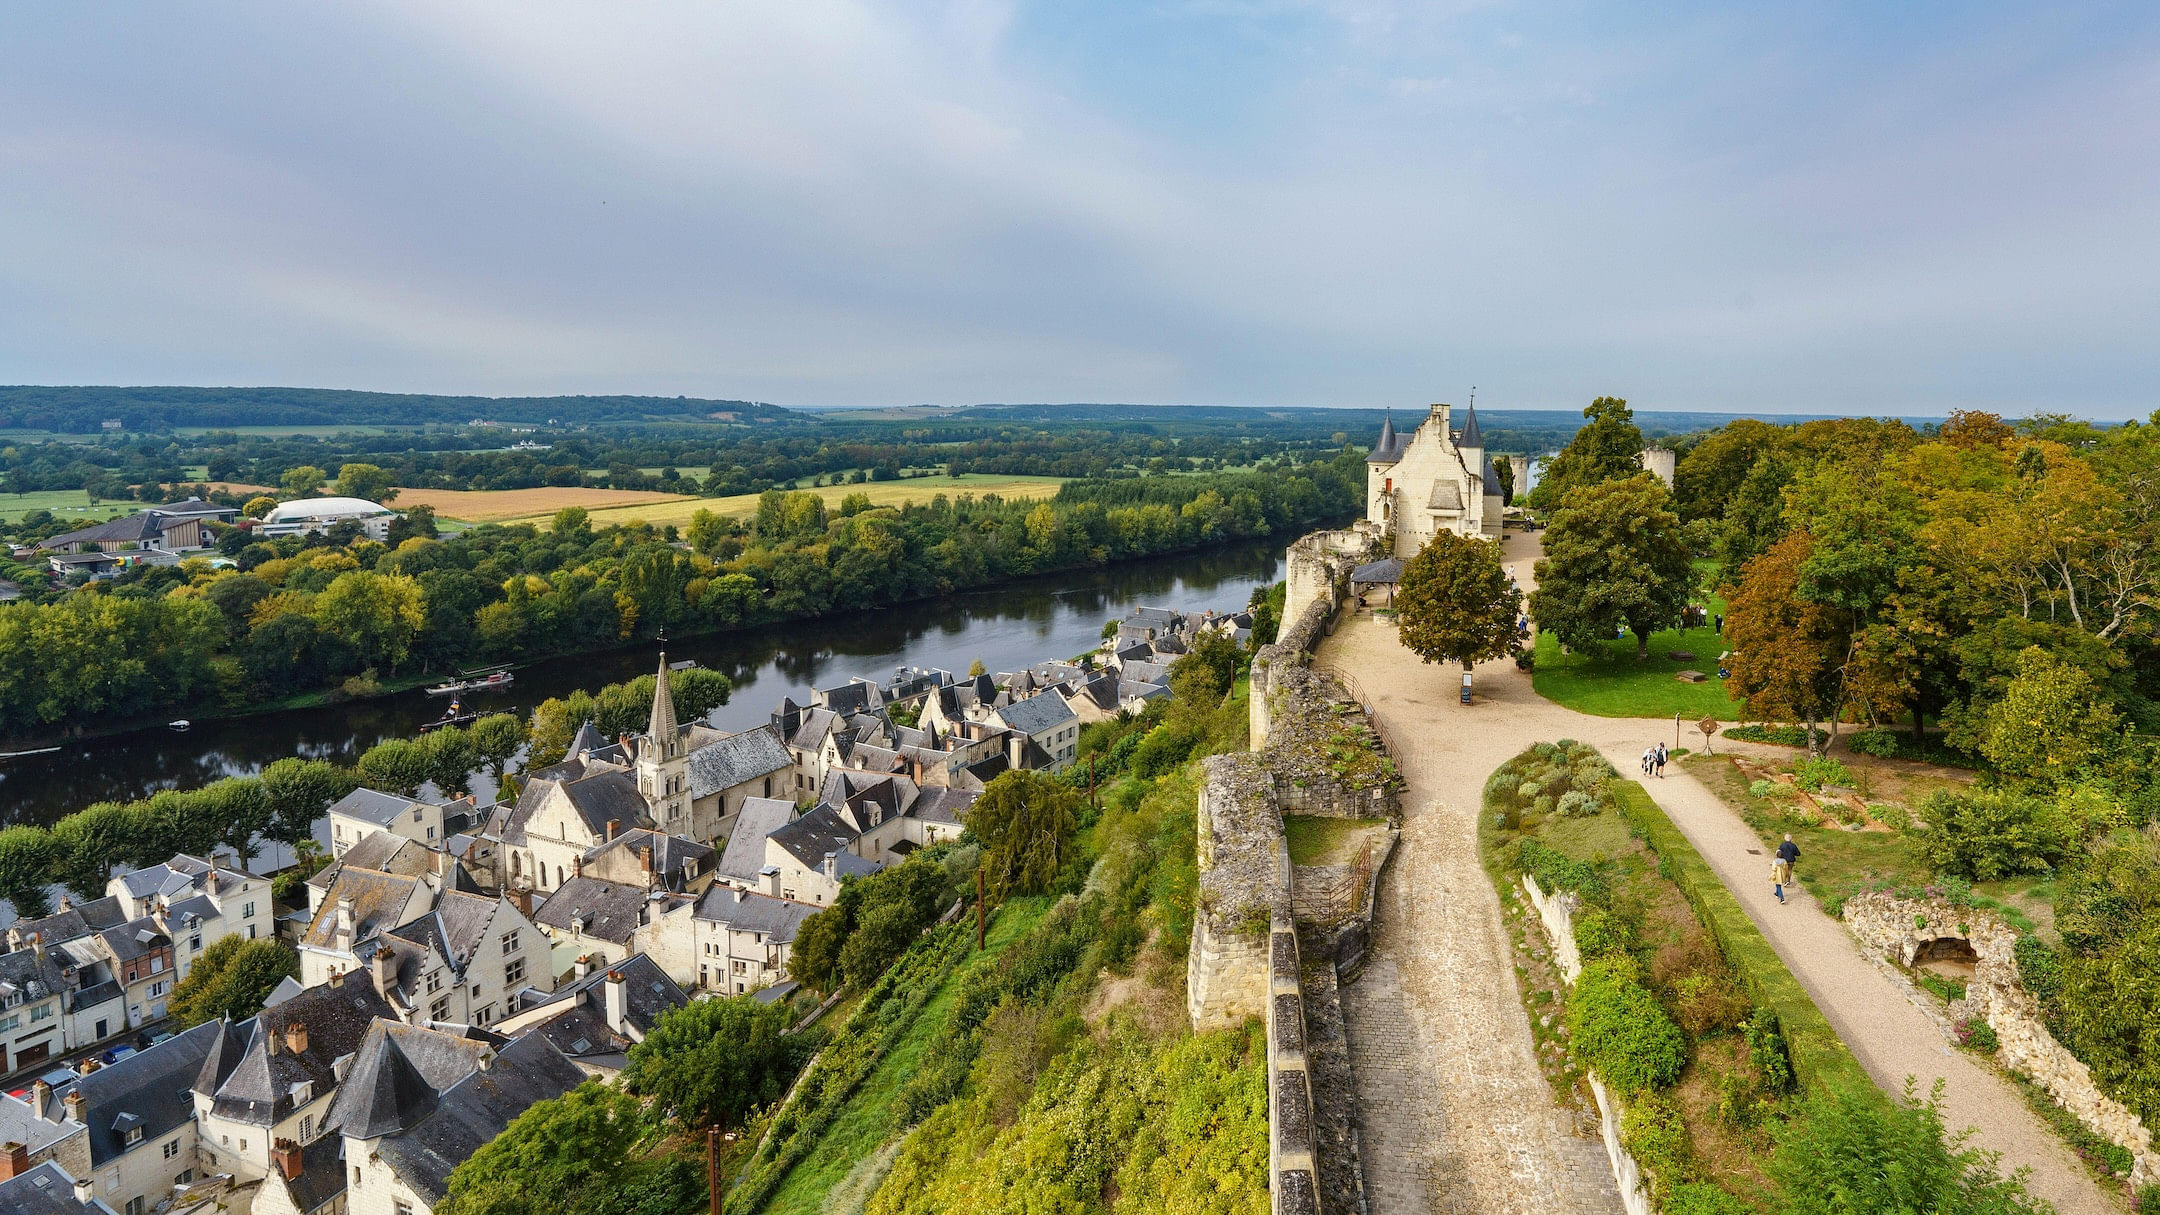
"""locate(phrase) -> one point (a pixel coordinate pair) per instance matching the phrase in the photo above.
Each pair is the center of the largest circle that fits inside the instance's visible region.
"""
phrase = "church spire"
(662, 729)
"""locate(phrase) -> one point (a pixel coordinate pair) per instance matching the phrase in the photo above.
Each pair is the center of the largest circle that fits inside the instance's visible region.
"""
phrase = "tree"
(2048, 724)
(304, 480)
(572, 523)
(1789, 654)
(27, 855)
(1614, 556)
(258, 506)
(232, 978)
(1027, 822)
(1607, 448)
(379, 615)
(706, 529)
(496, 739)
(712, 1062)
(577, 1155)
(1455, 602)
(1504, 468)
(300, 790)
(451, 758)
(368, 481)
(1973, 429)
(1850, 1152)
(395, 765)
(976, 668)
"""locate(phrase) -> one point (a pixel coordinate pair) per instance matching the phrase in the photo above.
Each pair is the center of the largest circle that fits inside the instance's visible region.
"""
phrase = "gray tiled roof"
(737, 759)
(816, 833)
(259, 1087)
(605, 796)
(745, 852)
(379, 902)
(1144, 672)
(610, 910)
(648, 993)
(397, 1073)
(942, 805)
(151, 1085)
(743, 911)
(46, 1190)
(370, 806)
(18, 1124)
(1045, 711)
(474, 1110)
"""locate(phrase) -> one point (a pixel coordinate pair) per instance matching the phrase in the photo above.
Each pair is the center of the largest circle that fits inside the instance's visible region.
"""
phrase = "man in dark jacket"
(1781, 875)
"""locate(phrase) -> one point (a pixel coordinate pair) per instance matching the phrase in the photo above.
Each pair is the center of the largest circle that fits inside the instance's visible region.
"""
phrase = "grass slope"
(866, 1121)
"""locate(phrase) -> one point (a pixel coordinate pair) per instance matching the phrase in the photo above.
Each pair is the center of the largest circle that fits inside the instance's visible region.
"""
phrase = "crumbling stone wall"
(1317, 576)
(1292, 1165)
(1900, 928)
(1325, 754)
(1244, 887)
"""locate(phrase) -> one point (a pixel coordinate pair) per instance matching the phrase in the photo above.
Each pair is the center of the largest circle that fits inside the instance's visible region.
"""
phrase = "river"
(1008, 626)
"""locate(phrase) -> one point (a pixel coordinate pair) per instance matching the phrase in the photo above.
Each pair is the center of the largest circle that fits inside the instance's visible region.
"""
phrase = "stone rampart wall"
(1292, 1167)
(1557, 912)
(1317, 577)
(1899, 929)
(1244, 887)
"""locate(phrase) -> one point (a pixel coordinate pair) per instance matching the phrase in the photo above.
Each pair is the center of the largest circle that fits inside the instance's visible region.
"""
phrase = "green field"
(67, 504)
(866, 1122)
(320, 432)
(881, 493)
(1609, 682)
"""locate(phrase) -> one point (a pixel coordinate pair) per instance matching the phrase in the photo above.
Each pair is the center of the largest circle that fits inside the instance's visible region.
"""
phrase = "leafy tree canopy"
(1614, 556)
(1456, 602)
(232, 978)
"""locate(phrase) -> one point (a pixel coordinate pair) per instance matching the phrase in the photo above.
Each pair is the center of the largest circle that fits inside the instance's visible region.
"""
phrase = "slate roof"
(322, 1174)
(1044, 711)
(610, 909)
(1446, 495)
(1388, 448)
(648, 993)
(78, 921)
(454, 928)
(816, 833)
(46, 1190)
(816, 724)
(379, 902)
(398, 1072)
(676, 859)
(175, 877)
(611, 794)
(30, 976)
(737, 759)
(383, 852)
(150, 1085)
(1389, 570)
(744, 911)
(587, 738)
(370, 806)
(942, 805)
(1144, 672)
(18, 1124)
(745, 852)
(1470, 436)
(142, 526)
(476, 1109)
(1155, 618)
(135, 939)
(258, 1087)
(1128, 690)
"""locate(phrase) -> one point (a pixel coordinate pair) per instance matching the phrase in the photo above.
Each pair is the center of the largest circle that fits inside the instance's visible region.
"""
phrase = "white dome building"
(303, 515)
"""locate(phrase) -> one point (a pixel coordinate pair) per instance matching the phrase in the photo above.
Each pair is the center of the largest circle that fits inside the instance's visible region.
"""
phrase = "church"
(1436, 479)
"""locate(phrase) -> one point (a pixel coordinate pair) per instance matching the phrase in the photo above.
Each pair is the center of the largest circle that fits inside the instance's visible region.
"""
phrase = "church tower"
(663, 769)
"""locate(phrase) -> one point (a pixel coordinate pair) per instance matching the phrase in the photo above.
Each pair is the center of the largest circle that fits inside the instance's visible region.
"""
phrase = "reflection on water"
(1009, 626)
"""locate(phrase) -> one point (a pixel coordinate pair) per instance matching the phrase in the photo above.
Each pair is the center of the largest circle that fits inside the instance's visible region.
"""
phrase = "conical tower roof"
(1470, 436)
(662, 729)
(1384, 451)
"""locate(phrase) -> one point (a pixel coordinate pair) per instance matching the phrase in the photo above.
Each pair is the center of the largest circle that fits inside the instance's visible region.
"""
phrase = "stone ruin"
(1912, 932)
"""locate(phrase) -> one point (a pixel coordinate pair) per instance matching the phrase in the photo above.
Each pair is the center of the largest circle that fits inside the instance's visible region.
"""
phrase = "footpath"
(1455, 1113)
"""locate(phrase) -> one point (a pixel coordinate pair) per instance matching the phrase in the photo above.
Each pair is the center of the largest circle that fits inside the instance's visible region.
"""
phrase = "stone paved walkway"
(1456, 1115)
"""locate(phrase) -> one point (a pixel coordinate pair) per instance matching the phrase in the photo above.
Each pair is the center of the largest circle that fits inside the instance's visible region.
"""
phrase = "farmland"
(66, 504)
(608, 506)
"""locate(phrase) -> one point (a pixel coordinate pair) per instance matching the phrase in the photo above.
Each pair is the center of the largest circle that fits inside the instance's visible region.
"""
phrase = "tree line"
(307, 614)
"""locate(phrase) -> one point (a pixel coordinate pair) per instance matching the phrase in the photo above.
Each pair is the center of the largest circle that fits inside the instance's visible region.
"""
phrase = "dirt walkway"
(1457, 1115)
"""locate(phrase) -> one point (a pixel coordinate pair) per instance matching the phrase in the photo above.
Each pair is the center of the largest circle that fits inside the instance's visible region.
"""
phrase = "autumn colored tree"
(1455, 602)
(1974, 429)
(1789, 654)
(1614, 556)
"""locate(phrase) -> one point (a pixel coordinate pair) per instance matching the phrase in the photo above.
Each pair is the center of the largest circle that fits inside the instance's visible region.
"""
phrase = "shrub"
(1702, 1198)
(1852, 1151)
(1652, 1132)
(1709, 1004)
(1557, 871)
(2040, 968)
(1978, 1035)
(1767, 1051)
(1617, 1027)
(1882, 744)
(1784, 736)
(1983, 834)
(1600, 933)
(1814, 772)
(1891, 815)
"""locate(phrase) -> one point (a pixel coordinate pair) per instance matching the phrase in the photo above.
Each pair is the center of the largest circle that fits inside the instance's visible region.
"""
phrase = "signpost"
(1709, 728)
(1466, 687)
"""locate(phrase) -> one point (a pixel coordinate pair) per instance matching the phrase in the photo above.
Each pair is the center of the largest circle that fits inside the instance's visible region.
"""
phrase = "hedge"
(1819, 1059)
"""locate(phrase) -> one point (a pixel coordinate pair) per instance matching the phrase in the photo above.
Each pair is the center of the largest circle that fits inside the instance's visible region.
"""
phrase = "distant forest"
(85, 409)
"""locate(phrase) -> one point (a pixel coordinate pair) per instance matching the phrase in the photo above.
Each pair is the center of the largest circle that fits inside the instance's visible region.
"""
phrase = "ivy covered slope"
(1053, 1070)
(1738, 1097)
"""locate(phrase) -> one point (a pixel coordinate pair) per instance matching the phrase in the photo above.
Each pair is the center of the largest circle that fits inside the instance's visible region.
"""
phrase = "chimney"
(831, 866)
(285, 1154)
(14, 1159)
(296, 1036)
(771, 874)
(41, 1101)
(66, 903)
(1440, 412)
(382, 972)
(644, 860)
(345, 921)
(582, 968)
(485, 1061)
(614, 828)
(612, 1001)
(74, 1103)
(577, 866)
(84, 1191)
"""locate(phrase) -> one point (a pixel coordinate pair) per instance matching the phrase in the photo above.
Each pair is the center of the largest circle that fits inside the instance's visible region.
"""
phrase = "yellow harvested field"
(662, 509)
(526, 505)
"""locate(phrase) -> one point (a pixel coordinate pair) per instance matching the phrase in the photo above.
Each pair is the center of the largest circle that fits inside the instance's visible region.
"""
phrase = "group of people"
(1653, 761)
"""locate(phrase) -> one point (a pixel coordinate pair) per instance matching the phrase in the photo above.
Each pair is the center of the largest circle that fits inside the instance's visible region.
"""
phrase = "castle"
(1437, 479)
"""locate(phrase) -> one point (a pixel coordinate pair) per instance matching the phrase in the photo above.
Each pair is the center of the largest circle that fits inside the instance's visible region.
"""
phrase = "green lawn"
(866, 1121)
(66, 504)
(1609, 682)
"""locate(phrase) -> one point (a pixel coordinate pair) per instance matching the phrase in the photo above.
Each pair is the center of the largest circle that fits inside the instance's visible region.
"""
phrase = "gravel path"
(1455, 1114)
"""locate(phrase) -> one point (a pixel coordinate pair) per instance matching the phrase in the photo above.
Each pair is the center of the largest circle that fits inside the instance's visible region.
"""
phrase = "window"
(431, 833)
(157, 989)
(510, 942)
(434, 981)
(514, 973)
(44, 1012)
(476, 991)
(307, 1125)
(439, 1010)
(135, 1205)
(194, 942)
(404, 1207)
(251, 932)
(134, 1135)
(172, 1147)
(248, 912)
(485, 1015)
(157, 966)
(11, 1021)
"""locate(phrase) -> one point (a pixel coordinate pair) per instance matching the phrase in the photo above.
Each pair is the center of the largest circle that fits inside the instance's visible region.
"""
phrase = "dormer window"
(302, 1092)
(134, 1135)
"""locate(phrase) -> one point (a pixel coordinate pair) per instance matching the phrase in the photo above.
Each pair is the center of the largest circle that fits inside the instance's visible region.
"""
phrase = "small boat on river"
(474, 682)
(455, 715)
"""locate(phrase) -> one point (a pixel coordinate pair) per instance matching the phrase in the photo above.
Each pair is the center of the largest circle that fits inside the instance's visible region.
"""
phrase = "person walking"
(1781, 868)
(1660, 764)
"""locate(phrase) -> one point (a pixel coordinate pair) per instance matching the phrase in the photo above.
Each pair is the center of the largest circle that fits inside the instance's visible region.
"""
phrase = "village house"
(140, 1117)
(39, 1128)
(754, 763)
(605, 921)
(197, 902)
(43, 1189)
(363, 812)
(419, 1101)
(743, 939)
(601, 1013)
(273, 1076)
(33, 994)
(432, 953)
(140, 955)
(1046, 734)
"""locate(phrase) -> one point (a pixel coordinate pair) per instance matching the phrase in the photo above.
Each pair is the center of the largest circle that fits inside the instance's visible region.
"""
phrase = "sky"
(1808, 207)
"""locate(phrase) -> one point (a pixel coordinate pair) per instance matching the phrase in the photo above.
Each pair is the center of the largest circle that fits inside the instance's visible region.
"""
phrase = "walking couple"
(1781, 867)
(1653, 761)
